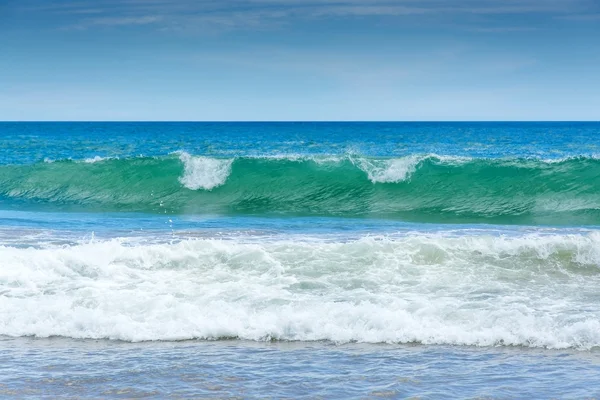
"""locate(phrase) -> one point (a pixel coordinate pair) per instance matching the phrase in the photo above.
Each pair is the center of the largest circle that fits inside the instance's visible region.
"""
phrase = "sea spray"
(204, 172)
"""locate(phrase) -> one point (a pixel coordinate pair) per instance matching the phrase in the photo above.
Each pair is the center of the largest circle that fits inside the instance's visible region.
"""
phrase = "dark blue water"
(30, 142)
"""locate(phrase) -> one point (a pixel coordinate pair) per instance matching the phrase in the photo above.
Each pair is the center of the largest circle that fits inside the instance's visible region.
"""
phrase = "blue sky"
(300, 60)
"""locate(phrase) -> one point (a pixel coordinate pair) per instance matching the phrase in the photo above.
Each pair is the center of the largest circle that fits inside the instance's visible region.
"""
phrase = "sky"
(248, 60)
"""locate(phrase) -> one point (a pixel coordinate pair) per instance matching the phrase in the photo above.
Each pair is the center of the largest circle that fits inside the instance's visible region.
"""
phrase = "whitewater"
(470, 290)
(204, 256)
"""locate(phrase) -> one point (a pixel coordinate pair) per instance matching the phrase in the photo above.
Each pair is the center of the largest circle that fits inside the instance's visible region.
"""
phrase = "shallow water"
(48, 368)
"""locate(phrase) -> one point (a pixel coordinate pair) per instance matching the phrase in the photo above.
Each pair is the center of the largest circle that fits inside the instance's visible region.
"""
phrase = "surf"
(415, 188)
(480, 290)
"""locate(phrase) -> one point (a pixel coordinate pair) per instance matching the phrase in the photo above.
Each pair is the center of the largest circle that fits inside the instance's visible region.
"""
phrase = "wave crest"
(204, 172)
(388, 171)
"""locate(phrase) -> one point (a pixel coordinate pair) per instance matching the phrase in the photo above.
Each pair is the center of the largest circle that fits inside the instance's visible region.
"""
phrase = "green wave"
(413, 188)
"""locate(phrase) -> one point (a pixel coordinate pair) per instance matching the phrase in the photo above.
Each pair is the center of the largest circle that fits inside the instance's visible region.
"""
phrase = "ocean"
(300, 260)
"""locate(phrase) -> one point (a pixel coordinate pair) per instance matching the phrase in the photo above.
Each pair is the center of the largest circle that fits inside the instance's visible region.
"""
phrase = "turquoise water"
(341, 260)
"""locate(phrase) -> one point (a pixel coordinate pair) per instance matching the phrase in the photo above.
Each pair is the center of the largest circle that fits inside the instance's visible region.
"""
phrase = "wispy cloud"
(240, 13)
(143, 20)
(502, 29)
(581, 17)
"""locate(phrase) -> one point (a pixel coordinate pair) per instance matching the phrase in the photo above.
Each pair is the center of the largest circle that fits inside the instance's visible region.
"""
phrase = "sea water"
(300, 260)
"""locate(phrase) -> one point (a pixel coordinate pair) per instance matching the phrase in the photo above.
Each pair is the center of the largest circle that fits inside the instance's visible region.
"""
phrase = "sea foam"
(96, 159)
(204, 172)
(400, 169)
(390, 171)
(530, 290)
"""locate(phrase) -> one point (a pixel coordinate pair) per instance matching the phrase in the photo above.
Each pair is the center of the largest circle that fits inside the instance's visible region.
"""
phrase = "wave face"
(414, 188)
(530, 290)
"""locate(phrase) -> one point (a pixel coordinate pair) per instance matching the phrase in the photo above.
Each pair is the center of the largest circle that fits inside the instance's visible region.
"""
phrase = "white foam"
(390, 171)
(396, 170)
(559, 160)
(451, 160)
(298, 157)
(204, 172)
(95, 159)
(531, 290)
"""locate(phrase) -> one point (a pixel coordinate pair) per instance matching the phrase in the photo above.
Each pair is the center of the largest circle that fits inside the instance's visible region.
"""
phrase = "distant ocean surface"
(300, 260)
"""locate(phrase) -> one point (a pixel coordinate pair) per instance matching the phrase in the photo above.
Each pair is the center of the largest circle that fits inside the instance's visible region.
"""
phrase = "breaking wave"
(531, 290)
(417, 188)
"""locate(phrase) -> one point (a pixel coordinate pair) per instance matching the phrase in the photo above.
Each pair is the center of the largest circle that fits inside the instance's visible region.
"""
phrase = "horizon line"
(305, 121)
